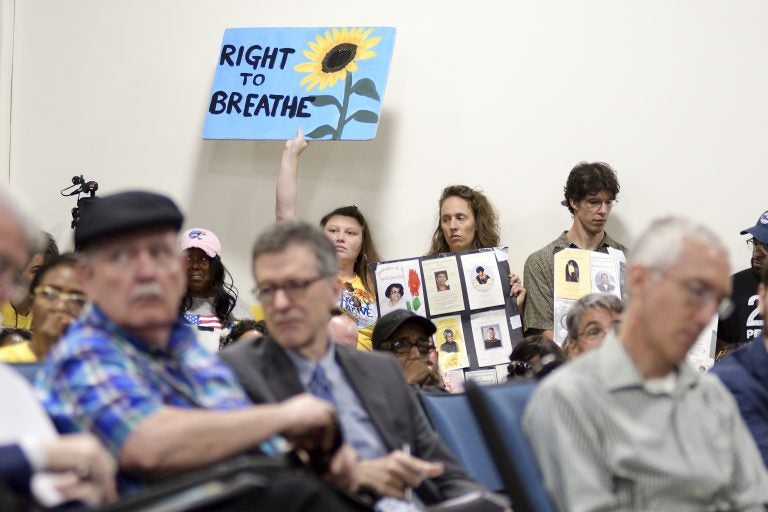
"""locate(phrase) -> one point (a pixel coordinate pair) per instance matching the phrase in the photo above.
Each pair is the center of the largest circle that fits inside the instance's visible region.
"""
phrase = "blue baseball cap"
(760, 229)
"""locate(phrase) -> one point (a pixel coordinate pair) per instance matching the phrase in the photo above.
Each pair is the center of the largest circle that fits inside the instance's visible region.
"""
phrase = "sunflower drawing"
(333, 56)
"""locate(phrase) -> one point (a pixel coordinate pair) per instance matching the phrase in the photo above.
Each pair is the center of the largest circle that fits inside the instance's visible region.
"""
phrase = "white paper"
(443, 285)
(484, 377)
(481, 273)
(491, 337)
(396, 277)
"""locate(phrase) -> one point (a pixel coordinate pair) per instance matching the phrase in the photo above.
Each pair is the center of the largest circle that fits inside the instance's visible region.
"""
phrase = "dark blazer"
(268, 375)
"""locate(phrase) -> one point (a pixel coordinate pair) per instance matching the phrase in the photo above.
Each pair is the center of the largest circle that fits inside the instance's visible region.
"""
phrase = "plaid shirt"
(100, 379)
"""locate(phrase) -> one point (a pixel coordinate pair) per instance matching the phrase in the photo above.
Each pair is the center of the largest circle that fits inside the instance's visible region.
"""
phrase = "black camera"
(80, 186)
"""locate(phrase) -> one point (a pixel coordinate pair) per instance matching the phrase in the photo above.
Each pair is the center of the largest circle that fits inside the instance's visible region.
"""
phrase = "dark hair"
(368, 253)
(479, 269)
(528, 348)
(224, 292)
(447, 331)
(589, 178)
(51, 249)
(240, 328)
(486, 219)
(66, 259)
(7, 331)
(392, 287)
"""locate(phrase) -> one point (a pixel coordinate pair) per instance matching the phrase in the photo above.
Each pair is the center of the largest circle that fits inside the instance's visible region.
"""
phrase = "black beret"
(125, 211)
(389, 323)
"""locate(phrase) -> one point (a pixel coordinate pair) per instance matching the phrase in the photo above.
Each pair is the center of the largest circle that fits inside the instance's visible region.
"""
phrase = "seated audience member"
(76, 466)
(745, 323)
(589, 320)
(631, 425)
(17, 311)
(211, 294)
(244, 330)
(133, 374)
(745, 374)
(534, 357)
(12, 336)
(295, 268)
(590, 194)
(408, 337)
(58, 298)
(342, 327)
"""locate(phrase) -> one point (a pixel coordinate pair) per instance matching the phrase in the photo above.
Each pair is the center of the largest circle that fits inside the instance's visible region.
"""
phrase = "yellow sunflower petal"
(307, 67)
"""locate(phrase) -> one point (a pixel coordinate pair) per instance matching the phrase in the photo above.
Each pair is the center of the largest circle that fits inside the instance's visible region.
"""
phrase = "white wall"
(506, 96)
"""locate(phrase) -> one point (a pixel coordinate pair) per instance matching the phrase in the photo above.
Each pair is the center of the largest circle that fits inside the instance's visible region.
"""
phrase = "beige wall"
(505, 96)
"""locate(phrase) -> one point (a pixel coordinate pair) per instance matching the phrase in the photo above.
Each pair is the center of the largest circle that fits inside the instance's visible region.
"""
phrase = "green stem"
(344, 107)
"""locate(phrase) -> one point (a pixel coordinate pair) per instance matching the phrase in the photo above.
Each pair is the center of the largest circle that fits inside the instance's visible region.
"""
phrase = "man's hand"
(343, 469)
(391, 474)
(311, 421)
(54, 325)
(421, 373)
(91, 469)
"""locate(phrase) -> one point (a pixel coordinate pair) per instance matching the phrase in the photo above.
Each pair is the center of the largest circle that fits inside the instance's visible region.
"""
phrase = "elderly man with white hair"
(630, 425)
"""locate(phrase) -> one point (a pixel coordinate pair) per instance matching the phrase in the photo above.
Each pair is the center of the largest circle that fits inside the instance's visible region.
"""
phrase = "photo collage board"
(466, 296)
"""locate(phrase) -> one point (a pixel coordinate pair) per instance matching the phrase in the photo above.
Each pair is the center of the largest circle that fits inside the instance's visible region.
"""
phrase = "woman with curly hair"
(469, 221)
(347, 228)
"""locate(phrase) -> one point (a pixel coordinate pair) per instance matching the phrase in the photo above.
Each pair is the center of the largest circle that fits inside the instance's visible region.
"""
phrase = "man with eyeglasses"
(408, 337)
(590, 195)
(745, 324)
(631, 425)
(589, 320)
(294, 266)
(133, 373)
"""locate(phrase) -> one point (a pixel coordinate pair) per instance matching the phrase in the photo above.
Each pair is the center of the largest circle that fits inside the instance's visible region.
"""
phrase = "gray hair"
(280, 236)
(605, 301)
(660, 245)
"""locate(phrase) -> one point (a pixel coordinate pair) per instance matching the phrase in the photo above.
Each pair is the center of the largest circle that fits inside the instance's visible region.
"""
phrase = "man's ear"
(639, 279)
(574, 203)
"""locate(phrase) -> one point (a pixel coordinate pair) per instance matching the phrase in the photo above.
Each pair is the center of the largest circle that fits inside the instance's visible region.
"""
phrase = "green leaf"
(324, 100)
(408, 306)
(416, 303)
(366, 87)
(364, 116)
(321, 131)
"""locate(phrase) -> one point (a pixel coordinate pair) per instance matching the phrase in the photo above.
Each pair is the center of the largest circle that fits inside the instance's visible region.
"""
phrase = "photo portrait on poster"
(443, 285)
(399, 286)
(491, 339)
(605, 274)
(481, 273)
(449, 342)
(572, 274)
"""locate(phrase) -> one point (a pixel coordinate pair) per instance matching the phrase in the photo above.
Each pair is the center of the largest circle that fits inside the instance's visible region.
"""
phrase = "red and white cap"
(201, 238)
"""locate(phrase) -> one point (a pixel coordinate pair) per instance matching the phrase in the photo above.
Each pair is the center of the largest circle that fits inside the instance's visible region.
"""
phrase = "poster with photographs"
(481, 273)
(466, 295)
(450, 344)
(491, 334)
(578, 273)
(399, 286)
(443, 285)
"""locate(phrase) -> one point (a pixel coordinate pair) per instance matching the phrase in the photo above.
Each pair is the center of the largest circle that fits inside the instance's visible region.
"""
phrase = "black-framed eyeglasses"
(294, 289)
(596, 333)
(403, 345)
(71, 299)
(753, 244)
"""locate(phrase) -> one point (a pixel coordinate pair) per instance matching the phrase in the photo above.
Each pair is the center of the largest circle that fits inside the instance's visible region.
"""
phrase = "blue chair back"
(499, 411)
(452, 418)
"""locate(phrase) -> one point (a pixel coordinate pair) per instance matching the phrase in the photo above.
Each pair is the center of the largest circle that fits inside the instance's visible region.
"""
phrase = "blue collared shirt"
(356, 425)
(101, 379)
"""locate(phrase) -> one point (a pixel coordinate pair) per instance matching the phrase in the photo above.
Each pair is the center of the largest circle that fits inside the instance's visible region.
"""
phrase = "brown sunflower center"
(338, 57)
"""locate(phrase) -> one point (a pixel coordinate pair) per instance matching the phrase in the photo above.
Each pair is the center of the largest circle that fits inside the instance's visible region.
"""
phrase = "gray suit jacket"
(268, 375)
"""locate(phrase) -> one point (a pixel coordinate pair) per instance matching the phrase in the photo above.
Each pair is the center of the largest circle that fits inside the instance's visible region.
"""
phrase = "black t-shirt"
(745, 323)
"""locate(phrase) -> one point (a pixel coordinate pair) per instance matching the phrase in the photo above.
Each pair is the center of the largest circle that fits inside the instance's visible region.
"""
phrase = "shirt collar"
(563, 243)
(620, 372)
(306, 367)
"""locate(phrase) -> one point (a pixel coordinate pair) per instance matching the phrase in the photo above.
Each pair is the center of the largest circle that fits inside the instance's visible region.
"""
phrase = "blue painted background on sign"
(269, 81)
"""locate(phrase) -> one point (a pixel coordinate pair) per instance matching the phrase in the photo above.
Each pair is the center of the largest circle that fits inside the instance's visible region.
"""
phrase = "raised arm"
(287, 178)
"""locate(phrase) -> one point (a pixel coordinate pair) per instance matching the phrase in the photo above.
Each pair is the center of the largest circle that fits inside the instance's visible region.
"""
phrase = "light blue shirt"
(356, 425)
